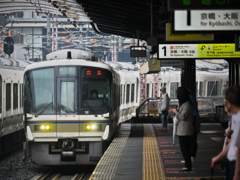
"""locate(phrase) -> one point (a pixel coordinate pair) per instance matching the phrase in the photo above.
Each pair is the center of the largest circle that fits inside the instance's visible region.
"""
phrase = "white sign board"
(207, 20)
(174, 63)
(178, 51)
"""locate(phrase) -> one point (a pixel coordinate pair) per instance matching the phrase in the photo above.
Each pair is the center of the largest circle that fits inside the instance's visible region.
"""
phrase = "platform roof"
(125, 17)
(70, 8)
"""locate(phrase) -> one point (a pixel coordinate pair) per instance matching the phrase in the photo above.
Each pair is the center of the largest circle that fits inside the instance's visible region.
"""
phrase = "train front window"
(96, 88)
(39, 91)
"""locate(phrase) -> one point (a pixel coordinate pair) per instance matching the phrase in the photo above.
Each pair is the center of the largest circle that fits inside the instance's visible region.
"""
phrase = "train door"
(67, 117)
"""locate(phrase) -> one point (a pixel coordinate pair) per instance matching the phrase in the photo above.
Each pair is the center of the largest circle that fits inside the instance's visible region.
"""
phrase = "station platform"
(142, 151)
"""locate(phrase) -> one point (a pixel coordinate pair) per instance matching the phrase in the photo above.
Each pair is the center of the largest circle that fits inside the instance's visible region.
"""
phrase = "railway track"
(10, 151)
(59, 176)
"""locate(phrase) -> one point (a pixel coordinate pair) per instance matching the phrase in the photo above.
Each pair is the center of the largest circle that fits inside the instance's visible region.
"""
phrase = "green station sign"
(202, 4)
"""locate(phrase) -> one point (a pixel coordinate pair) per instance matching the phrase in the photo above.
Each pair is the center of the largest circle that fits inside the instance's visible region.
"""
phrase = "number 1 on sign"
(165, 50)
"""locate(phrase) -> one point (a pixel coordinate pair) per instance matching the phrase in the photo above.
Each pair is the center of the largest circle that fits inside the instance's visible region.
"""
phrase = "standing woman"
(185, 128)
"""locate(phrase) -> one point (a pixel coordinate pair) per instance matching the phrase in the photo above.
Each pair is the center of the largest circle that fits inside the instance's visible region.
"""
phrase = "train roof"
(67, 62)
(7, 63)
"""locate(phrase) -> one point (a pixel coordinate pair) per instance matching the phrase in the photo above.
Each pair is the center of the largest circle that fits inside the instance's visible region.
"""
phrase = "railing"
(206, 105)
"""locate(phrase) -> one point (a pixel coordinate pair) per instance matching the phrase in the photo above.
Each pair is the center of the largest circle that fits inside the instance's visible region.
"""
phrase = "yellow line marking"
(203, 177)
(82, 176)
(152, 161)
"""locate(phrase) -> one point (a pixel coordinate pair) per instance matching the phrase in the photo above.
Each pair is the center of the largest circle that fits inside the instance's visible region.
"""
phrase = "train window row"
(15, 96)
(129, 93)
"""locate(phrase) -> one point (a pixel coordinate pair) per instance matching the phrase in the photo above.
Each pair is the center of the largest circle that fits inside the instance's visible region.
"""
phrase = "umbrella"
(175, 121)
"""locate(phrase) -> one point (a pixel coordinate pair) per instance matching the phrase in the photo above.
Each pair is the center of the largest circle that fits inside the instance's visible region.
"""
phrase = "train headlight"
(42, 127)
(93, 127)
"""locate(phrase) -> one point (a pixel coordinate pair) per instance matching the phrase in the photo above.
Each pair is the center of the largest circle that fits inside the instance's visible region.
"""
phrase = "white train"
(11, 102)
(75, 103)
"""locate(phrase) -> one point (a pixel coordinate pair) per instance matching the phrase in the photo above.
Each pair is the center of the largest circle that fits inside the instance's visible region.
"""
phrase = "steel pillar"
(188, 76)
(114, 45)
(143, 79)
(54, 37)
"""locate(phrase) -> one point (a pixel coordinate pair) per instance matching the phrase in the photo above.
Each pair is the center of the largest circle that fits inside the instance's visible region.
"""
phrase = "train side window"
(15, 96)
(128, 93)
(137, 90)
(200, 88)
(173, 89)
(213, 87)
(0, 94)
(225, 86)
(132, 92)
(147, 90)
(20, 95)
(196, 88)
(121, 94)
(124, 94)
(8, 96)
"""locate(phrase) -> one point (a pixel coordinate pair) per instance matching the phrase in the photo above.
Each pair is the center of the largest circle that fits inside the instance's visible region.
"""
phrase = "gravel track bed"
(18, 169)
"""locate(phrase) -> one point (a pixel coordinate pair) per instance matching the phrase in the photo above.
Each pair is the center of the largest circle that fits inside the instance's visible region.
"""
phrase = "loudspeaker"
(8, 45)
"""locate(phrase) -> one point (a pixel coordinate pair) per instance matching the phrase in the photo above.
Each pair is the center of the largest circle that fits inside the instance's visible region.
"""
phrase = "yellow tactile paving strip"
(152, 161)
(107, 166)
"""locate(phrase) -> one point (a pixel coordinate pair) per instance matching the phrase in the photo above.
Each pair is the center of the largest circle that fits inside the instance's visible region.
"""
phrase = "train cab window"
(96, 88)
(137, 90)
(128, 93)
(0, 94)
(39, 91)
(132, 92)
(67, 71)
(15, 96)
(8, 96)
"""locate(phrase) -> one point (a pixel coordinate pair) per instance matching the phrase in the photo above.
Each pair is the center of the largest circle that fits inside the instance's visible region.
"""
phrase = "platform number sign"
(153, 107)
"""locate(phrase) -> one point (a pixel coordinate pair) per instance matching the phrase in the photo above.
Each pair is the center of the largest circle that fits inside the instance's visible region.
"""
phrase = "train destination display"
(172, 51)
(203, 4)
(207, 20)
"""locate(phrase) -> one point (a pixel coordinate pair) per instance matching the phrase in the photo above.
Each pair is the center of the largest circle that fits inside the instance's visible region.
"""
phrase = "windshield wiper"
(91, 108)
(36, 115)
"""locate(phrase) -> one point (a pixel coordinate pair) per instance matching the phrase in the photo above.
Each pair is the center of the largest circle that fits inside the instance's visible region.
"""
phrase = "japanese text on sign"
(210, 20)
(197, 51)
